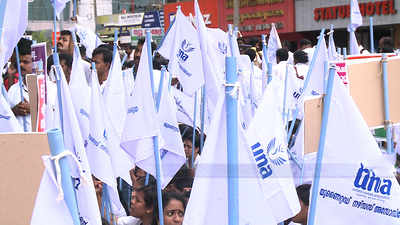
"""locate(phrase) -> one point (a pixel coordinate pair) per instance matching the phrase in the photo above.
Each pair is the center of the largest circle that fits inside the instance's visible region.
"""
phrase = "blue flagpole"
(194, 128)
(230, 31)
(115, 46)
(75, 7)
(339, 51)
(155, 138)
(371, 34)
(344, 53)
(56, 144)
(21, 86)
(232, 141)
(284, 96)
(309, 72)
(321, 146)
(265, 80)
(388, 124)
(202, 114)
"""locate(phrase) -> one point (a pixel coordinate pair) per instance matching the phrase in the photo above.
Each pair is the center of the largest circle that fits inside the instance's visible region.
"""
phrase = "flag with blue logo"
(274, 43)
(355, 21)
(171, 150)
(98, 150)
(47, 209)
(181, 46)
(14, 25)
(85, 193)
(357, 184)
(317, 80)
(266, 137)
(59, 5)
(142, 122)
(8, 122)
(208, 202)
(332, 54)
(88, 39)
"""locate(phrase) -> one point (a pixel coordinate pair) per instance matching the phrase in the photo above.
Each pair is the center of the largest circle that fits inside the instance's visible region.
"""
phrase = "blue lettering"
(360, 172)
(5, 117)
(385, 188)
(367, 180)
(133, 110)
(261, 160)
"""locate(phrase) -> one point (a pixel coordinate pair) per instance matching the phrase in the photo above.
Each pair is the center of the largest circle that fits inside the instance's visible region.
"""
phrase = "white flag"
(47, 209)
(267, 137)
(318, 76)
(356, 181)
(332, 54)
(355, 15)
(354, 49)
(274, 43)
(13, 27)
(172, 151)
(208, 203)
(98, 151)
(8, 122)
(139, 130)
(185, 108)
(59, 5)
(181, 46)
(85, 193)
(88, 39)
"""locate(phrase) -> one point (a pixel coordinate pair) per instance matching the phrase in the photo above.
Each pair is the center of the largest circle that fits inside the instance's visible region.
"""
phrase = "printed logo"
(5, 117)
(222, 47)
(368, 181)
(83, 221)
(84, 113)
(186, 47)
(133, 110)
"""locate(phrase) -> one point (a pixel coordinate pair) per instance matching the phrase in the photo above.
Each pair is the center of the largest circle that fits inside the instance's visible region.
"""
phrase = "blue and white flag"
(98, 151)
(181, 46)
(8, 122)
(47, 209)
(139, 130)
(332, 54)
(13, 27)
(355, 21)
(274, 43)
(59, 5)
(318, 76)
(266, 136)
(210, 187)
(172, 151)
(184, 105)
(84, 189)
(356, 181)
(80, 93)
(88, 39)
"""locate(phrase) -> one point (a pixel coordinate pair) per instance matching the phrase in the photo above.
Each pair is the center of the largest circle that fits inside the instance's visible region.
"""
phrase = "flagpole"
(155, 138)
(75, 8)
(265, 80)
(344, 53)
(194, 128)
(202, 113)
(309, 72)
(230, 32)
(321, 146)
(284, 95)
(371, 34)
(388, 124)
(56, 144)
(339, 51)
(21, 86)
(231, 96)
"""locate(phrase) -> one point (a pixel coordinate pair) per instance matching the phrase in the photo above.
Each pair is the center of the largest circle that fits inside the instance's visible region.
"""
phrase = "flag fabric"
(355, 21)
(266, 136)
(318, 76)
(97, 148)
(88, 39)
(332, 54)
(354, 49)
(274, 43)
(47, 209)
(181, 46)
(172, 151)
(129, 82)
(245, 98)
(138, 133)
(218, 40)
(80, 93)
(85, 193)
(59, 5)
(356, 181)
(8, 122)
(185, 108)
(208, 202)
(14, 25)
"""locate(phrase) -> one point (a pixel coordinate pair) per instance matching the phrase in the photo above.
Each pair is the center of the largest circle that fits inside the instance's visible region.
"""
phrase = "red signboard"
(256, 16)
(209, 9)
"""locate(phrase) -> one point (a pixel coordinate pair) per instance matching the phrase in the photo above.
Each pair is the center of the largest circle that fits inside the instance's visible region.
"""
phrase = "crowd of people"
(140, 199)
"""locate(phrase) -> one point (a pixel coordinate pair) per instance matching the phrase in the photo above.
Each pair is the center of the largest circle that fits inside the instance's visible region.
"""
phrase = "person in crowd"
(11, 75)
(174, 206)
(102, 57)
(21, 109)
(279, 70)
(306, 46)
(386, 45)
(303, 192)
(300, 59)
(182, 182)
(65, 63)
(257, 74)
(138, 53)
(188, 145)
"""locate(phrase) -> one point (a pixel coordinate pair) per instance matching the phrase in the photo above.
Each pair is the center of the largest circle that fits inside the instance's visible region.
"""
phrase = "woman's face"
(138, 206)
(173, 213)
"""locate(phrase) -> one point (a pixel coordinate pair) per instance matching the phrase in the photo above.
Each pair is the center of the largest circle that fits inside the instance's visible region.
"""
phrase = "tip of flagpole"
(178, 7)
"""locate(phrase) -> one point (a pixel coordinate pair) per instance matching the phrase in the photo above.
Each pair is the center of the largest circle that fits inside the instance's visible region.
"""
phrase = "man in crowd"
(102, 57)
(307, 47)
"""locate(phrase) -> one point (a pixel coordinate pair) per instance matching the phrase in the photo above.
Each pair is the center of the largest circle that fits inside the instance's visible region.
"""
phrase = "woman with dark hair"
(174, 206)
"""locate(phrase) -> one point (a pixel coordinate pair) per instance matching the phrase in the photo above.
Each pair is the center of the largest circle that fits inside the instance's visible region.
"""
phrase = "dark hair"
(183, 178)
(128, 64)
(107, 54)
(141, 41)
(66, 57)
(282, 54)
(387, 45)
(189, 136)
(149, 195)
(153, 44)
(107, 46)
(300, 56)
(168, 196)
(159, 61)
(251, 53)
(69, 33)
(304, 42)
(303, 192)
(24, 46)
